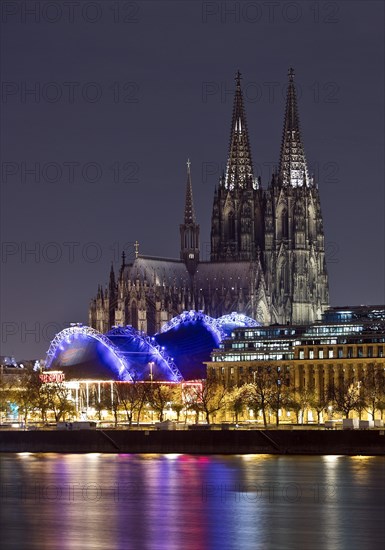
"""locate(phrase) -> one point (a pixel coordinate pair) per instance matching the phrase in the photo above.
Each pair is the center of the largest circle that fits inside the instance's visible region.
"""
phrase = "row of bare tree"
(267, 393)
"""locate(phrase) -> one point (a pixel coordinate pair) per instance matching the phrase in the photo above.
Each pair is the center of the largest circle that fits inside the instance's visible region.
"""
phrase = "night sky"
(125, 92)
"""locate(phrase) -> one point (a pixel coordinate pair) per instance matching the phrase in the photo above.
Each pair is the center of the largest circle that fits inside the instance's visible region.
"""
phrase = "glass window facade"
(342, 334)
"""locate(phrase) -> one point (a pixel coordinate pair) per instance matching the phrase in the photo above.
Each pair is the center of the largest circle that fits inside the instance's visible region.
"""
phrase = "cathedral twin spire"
(239, 171)
(292, 165)
(238, 211)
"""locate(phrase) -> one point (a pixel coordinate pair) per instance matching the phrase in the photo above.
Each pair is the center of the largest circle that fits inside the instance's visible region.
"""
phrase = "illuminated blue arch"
(132, 352)
(195, 317)
(139, 350)
(68, 335)
(191, 337)
(235, 320)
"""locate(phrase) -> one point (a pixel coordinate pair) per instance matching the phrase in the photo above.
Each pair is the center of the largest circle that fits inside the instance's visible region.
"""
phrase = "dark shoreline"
(312, 442)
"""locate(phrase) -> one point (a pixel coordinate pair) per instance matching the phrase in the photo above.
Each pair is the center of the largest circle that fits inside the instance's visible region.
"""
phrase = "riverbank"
(313, 442)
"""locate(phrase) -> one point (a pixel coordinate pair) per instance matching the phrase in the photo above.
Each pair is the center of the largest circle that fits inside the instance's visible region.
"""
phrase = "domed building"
(191, 337)
(124, 354)
(99, 369)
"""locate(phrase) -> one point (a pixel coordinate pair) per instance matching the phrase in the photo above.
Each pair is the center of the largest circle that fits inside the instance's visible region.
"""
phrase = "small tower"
(112, 296)
(189, 230)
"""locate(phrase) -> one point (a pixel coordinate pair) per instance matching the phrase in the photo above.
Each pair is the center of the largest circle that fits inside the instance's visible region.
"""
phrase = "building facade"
(267, 257)
(340, 352)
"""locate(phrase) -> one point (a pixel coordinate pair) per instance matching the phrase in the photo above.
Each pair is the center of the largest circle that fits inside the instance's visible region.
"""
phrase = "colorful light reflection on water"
(176, 501)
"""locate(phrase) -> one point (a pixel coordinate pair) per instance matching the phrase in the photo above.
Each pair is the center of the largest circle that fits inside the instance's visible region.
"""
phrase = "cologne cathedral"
(267, 257)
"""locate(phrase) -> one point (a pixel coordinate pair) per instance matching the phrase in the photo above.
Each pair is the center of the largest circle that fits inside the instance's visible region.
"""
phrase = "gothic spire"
(112, 277)
(292, 164)
(123, 265)
(189, 230)
(239, 171)
(189, 214)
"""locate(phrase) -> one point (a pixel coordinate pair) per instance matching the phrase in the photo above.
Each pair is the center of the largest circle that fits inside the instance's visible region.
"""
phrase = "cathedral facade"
(267, 255)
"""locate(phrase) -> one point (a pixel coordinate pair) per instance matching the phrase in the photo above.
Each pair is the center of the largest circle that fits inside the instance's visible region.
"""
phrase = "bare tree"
(177, 401)
(30, 395)
(209, 397)
(236, 401)
(101, 400)
(303, 399)
(56, 395)
(266, 392)
(279, 396)
(142, 398)
(158, 396)
(346, 395)
(115, 403)
(7, 389)
(320, 402)
(373, 388)
(130, 396)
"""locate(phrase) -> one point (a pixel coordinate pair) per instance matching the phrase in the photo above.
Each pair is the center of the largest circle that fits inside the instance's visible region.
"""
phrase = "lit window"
(311, 354)
(330, 353)
(320, 354)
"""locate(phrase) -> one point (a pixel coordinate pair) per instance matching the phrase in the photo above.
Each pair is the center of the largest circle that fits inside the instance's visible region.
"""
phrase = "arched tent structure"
(191, 337)
(177, 353)
(123, 354)
(146, 359)
(193, 317)
(227, 323)
(83, 352)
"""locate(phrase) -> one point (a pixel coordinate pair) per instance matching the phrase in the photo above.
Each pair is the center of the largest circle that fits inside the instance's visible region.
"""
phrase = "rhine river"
(150, 502)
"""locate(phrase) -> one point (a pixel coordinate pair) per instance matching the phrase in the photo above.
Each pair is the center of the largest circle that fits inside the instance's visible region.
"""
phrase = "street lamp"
(151, 364)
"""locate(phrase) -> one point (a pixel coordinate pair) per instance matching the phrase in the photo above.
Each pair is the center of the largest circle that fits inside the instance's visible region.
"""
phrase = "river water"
(250, 502)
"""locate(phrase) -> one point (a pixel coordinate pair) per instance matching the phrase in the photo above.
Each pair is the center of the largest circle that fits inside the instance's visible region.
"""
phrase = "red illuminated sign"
(51, 377)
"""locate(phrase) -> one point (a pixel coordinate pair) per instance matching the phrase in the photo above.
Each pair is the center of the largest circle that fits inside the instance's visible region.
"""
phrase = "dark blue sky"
(124, 92)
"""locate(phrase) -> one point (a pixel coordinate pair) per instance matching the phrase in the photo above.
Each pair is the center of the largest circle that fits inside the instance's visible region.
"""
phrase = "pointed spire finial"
(136, 245)
(292, 166)
(111, 287)
(189, 214)
(239, 164)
